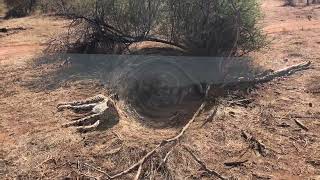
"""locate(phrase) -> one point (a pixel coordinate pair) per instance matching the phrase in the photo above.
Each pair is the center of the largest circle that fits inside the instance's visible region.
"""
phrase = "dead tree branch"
(283, 72)
(112, 33)
(269, 76)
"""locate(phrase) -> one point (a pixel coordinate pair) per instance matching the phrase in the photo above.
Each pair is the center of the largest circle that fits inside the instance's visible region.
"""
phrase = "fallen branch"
(269, 76)
(283, 72)
(112, 33)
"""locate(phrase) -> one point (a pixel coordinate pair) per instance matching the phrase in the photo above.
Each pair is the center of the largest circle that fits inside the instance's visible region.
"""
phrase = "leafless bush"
(304, 2)
(19, 8)
(54, 6)
(199, 27)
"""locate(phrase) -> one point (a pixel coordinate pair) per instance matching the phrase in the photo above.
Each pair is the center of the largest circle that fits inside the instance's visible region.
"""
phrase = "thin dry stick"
(97, 169)
(209, 118)
(235, 163)
(203, 165)
(298, 117)
(165, 159)
(255, 144)
(138, 172)
(300, 124)
(136, 165)
(305, 117)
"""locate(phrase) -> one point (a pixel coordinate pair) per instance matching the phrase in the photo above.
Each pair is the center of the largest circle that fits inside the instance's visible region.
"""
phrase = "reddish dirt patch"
(15, 51)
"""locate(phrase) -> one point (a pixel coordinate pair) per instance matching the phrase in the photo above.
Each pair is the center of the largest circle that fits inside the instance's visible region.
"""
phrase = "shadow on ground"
(162, 89)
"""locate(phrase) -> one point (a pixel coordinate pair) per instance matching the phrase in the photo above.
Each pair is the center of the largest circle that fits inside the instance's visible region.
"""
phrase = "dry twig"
(255, 144)
(210, 116)
(203, 165)
(300, 124)
(96, 169)
(235, 163)
(165, 159)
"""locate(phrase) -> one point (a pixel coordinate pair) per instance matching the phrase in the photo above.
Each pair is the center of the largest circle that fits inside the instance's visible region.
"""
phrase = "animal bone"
(98, 108)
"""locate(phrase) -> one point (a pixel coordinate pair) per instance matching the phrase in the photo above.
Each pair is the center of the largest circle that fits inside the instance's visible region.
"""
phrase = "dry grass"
(33, 145)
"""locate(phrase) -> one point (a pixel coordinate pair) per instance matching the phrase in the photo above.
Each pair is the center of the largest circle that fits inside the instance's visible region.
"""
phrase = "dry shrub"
(209, 28)
(299, 2)
(19, 8)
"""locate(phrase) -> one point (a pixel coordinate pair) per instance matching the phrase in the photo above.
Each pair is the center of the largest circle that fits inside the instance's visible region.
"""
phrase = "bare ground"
(34, 146)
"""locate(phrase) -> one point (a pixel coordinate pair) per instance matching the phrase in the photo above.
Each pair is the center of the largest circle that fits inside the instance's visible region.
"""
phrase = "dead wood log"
(283, 72)
(268, 76)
